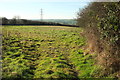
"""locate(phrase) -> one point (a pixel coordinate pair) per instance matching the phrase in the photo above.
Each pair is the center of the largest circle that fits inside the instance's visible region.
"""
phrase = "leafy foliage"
(110, 25)
(102, 28)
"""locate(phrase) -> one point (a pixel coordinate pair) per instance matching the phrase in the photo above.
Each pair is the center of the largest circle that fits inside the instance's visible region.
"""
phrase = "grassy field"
(45, 52)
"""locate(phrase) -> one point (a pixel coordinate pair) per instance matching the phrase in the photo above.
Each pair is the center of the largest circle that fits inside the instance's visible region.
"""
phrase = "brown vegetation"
(102, 29)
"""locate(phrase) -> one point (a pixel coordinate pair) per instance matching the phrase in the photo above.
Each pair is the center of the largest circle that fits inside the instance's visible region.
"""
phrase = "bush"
(102, 29)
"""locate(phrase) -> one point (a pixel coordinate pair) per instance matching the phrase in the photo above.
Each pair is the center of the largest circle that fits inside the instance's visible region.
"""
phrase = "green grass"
(45, 52)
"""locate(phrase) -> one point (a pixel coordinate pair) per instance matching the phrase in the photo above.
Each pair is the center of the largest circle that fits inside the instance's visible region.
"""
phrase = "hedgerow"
(101, 23)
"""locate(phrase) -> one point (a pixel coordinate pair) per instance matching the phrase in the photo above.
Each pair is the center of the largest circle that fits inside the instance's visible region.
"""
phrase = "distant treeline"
(14, 21)
(61, 21)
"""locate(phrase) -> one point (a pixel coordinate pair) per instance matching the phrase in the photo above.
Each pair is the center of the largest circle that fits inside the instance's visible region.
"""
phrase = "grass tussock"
(45, 52)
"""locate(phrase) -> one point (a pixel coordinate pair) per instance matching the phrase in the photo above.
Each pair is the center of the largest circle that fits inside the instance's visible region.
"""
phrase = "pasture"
(45, 52)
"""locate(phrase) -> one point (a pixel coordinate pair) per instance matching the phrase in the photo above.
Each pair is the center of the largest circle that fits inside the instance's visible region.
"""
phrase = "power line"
(41, 14)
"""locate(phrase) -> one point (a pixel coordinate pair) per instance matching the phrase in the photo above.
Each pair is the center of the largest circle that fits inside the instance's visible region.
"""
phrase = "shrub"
(102, 29)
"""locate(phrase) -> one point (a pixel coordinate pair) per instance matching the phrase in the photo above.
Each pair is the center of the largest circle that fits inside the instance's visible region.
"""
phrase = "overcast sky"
(52, 9)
